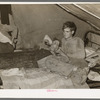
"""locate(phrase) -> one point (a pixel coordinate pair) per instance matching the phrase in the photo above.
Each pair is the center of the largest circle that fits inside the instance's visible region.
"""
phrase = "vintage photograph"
(50, 46)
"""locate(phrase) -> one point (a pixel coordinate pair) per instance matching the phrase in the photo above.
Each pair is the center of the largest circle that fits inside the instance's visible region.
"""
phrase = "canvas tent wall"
(34, 21)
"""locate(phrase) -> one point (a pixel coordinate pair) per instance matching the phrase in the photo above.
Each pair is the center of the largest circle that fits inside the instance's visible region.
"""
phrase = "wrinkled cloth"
(4, 39)
(79, 77)
(58, 66)
(79, 63)
(94, 76)
(12, 71)
(75, 71)
(6, 36)
(89, 51)
(34, 78)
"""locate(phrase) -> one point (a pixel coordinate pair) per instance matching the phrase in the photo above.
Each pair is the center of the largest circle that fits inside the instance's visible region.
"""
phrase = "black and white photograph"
(50, 46)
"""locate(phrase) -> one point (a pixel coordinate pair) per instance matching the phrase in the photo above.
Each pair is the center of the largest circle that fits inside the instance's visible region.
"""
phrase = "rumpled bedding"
(94, 76)
(47, 76)
(34, 78)
(75, 71)
(94, 60)
(55, 65)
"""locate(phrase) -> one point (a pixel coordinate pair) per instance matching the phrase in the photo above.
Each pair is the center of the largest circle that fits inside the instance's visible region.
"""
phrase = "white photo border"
(71, 94)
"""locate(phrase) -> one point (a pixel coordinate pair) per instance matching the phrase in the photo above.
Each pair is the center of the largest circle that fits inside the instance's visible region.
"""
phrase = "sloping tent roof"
(36, 20)
(86, 12)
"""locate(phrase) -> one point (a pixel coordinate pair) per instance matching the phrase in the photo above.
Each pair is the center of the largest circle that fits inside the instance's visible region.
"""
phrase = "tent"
(34, 21)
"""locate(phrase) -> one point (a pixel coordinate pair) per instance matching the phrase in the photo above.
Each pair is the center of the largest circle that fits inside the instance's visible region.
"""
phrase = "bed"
(92, 44)
(21, 70)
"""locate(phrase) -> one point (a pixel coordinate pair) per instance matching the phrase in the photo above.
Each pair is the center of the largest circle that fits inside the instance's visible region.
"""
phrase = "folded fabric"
(12, 71)
(89, 51)
(4, 39)
(58, 66)
(94, 76)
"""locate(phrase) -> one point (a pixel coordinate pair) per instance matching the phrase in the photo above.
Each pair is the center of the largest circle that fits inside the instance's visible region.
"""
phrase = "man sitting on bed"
(72, 54)
(7, 35)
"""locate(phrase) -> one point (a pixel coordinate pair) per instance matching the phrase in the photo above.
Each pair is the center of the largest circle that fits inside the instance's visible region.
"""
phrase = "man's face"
(67, 33)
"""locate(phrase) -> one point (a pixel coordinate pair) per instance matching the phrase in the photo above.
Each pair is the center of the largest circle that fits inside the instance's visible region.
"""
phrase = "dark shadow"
(5, 10)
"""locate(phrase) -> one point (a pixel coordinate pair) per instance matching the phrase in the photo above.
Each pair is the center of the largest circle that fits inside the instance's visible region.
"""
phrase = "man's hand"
(55, 46)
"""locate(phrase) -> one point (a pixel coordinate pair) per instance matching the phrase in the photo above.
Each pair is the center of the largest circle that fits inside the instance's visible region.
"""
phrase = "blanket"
(34, 78)
(77, 72)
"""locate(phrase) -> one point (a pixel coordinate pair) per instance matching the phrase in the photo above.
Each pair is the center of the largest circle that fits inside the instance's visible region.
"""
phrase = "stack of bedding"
(93, 58)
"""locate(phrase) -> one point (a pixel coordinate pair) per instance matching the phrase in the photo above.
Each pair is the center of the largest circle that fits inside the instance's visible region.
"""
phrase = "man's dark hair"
(70, 25)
